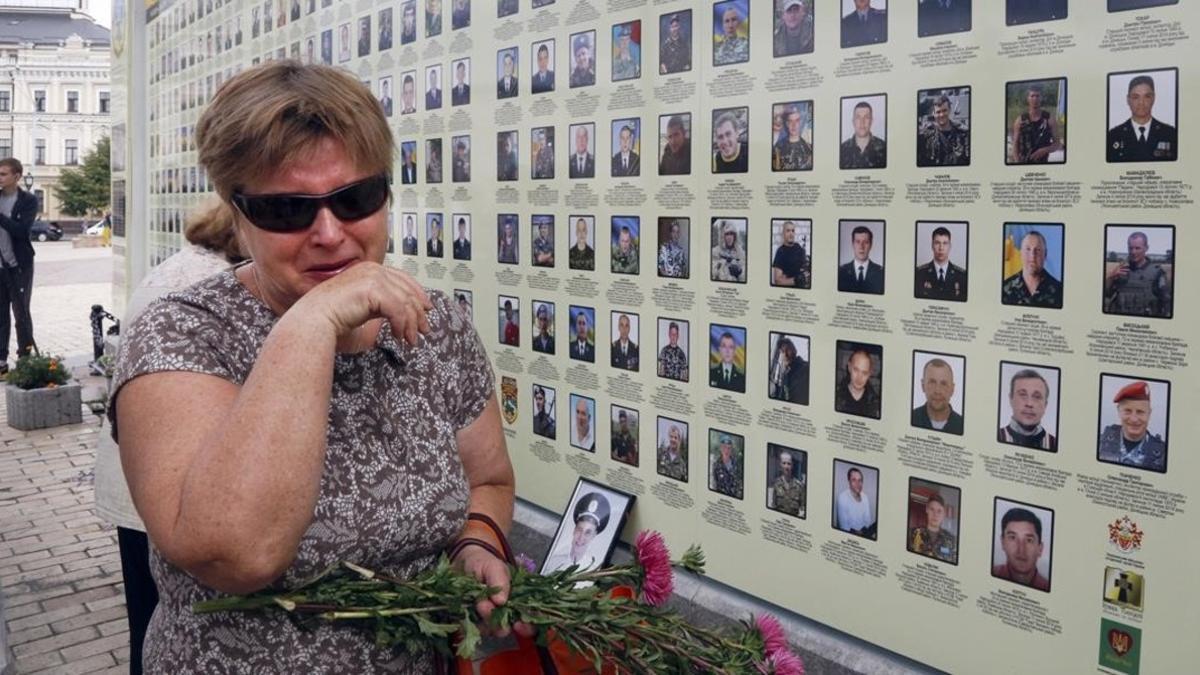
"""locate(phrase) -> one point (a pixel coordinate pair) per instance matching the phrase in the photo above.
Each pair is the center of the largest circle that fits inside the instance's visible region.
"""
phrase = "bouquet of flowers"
(633, 634)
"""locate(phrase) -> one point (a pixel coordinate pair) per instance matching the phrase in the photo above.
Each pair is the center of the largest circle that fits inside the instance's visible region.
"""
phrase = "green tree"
(86, 190)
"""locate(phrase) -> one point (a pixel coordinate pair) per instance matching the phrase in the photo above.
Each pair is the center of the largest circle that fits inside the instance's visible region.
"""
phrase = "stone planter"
(41, 408)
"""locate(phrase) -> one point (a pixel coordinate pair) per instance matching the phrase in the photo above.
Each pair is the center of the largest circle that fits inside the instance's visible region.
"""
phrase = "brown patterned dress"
(393, 494)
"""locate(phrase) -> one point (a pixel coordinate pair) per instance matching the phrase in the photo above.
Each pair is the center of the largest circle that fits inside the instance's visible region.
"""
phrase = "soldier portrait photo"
(941, 17)
(1139, 270)
(625, 336)
(626, 51)
(731, 32)
(791, 252)
(858, 378)
(541, 153)
(588, 528)
(863, 132)
(434, 244)
(1126, 5)
(933, 520)
(788, 358)
(1022, 543)
(730, 148)
(861, 248)
(1032, 265)
(729, 259)
(433, 160)
(856, 499)
(672, 449)
(792, 136)
(944, 126)
(1028, 406)
(460, 161)
(581, 160)
(626, 147)
(673, 348)
(1143, 113)
(626, 242)
(507, 7)
(507, 164)
(461, 231)
(543, 327)
(787, 480)
(542, 67)
(864, 22)
(625, 436)
(674, 242)
(408, 243)
(464, 300)
(509, 320)
(542, 231)
(582, 254)
(793, 28)
(408, 162)
(433, 87)
(508, 239)
(583, 423)
(675, 42)
(942, 251)
(408, 92)
(1035, 113)
(1134, 419)
(727, 357)
(675, 144)
(1033, 11)
(583, 59)
(938, 383)
(507, 83)
(544, 417)
(726, 463)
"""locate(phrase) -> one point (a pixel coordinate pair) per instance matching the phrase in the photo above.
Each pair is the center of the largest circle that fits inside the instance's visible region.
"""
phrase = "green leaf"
(470, 639)
(428, 627)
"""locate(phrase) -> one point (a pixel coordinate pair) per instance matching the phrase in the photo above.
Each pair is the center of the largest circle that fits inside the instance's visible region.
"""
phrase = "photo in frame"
(589, 527)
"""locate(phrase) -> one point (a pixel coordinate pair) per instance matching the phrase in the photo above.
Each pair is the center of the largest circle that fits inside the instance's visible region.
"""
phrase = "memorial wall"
(878, 301)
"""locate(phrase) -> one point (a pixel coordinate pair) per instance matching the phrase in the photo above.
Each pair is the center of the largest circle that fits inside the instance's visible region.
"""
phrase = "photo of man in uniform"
(583, 49)
(543, 326)
(1131, 441)
(731, 150)
(460, 93)
(434, 248)
(864, 22)
(936, 535)
(433, 92)
(507, 250)
(624, 353)
(673, 247)
(409, 243)
(940, 17)
(725, 373)
(1020, 539)
(788, 368)
(672, 357)
(385, 95)
(675, 42)
(865, 147)
(408, 162)
(385, 28)
(854, 504)
(729, 250)
(787, 480)
(507, 167)
(510, 321)
(1036, 135)
(433, 160)
(506, 83)
(544, 423)
(543, 240)
(582, 162)
(460, 170)
(938, 387)
(543, 73)
(507, 7)
(940, 278)
(1126, 5)
(943, 133)
(1033, 11)
(1029, 398)
(1032, 284)
(675, 157)
(625, 435)
(791, 150)
(859, 380)
(1140, 283)
(582, 255)
(626, 51)
(460, 14)
(433, 18)
(408, 22)
(726, 469)
(583, 426)
(861, 274)
(462, 239)
(625, 160)
(583, 345)
(1142, 137)
(541, 153)
(793, 28)
(626, 241)
(791, 265)
(408, 93)
(672, 449)
(731, 32)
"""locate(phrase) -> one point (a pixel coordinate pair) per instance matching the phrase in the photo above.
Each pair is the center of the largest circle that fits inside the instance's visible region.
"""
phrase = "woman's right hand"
(367, 291)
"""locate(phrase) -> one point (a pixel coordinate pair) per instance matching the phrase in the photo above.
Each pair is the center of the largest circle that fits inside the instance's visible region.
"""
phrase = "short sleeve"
(470, 382)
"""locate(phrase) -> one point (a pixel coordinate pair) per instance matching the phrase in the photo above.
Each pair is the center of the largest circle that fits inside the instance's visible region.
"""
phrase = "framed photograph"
(582, 161)
(675, 42)
(408, 244)
(731, 140)
(509, 320)
(583, 333)
(941, 274)
(941, 18)
(934, 520)
(726, 463)
(460, 91)
(673, 348)
(385, 95)
(626, 241)
(862, 247)
(787, 480)
(626, 147)
(1035, 114)
(507, 164)
(408, 92)
(858, 372)
(433, 88)
(583, 423)
(788, 361)
(1017, 12)
(460, 169)
(625, 435)
(506, 73)
(864, 23)
(1139, 270)
(672, 449)
(545, 421)
(543, 327)
(408, 22)
(627, 51)
(1143, 113)
(1029, 399)
(674, 244)
(944, 126)
(542, 69)
(582, 254)
(863, 132)
(507, 7)
(792, 135)
(938, 396)
(589, 528)
(326, 47)
(856, 499)
(364, 36)
(462, 235)
(434, 246)
(408, 162)
(731, 32)
(542, 227)
(1135, 415)
(433, 160)
(465, 301)
(625, 333)
(1126, 5)
(508, 242)
(729, 260)
(541, 153)
(791, 246)
(343, 42)
(675, 144)
(433, 18)
(460, 14)
(793, 33)
(583, 59)
(1022, 543)
(727, 357)
(1032, 264)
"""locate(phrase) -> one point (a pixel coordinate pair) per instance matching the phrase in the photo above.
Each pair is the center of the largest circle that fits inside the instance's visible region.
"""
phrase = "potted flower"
(40, 394)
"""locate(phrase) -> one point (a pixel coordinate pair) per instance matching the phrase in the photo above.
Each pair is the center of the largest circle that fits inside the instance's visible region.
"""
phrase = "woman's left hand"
(492, 571)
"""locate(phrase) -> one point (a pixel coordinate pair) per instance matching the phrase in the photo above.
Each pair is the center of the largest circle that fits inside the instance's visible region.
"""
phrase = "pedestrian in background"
(18, 208)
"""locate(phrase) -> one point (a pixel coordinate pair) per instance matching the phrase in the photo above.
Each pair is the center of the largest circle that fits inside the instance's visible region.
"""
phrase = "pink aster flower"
(773, 638)
(782, 663)
(658, 580)
(526, 562)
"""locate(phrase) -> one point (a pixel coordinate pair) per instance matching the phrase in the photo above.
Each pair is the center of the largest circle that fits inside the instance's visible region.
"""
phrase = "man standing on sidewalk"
(18, 208)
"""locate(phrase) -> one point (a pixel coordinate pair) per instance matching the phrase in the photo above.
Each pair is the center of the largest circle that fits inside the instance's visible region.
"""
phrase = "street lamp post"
(29, 181)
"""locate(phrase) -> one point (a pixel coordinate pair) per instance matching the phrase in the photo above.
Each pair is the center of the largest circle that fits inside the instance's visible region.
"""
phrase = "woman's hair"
(273, 114)
(212, 226)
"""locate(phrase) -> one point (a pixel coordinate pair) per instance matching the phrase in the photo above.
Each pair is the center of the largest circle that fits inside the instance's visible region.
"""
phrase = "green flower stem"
(380, 613)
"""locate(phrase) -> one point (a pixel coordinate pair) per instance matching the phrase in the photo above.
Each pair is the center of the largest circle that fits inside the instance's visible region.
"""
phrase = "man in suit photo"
(1141, 137)
(506, 86)
(543, 77)
(626, 161)
(861, 274)
(461, 93)
(864, 25)
(433, 94)
(583, 163)
(939, 17)
(582, 347)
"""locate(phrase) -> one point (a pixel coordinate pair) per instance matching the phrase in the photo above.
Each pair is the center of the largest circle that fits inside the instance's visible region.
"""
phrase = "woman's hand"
(366, 291)
(491, 571)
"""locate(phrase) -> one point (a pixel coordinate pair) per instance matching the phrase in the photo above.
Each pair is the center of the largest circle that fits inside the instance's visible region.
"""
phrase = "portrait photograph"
(788, 359)
(731, 32)
(327, 47)
(507, 164)
(460, 85)
(674, 242)
(1032, 265)
(582, 254)
(433, 18)
(863, 132)
(856, 499)
(792, 135)
(408, 162)
(1135, 414)
(1126, 5)
(729, 259)
(940, 254)
(934, 519)
(726, 463)
(408, 92)
(675, 144)
(506, 73)
(624, 336)
(791, 252)
(433, 87)
(944, 127)
(460, 163)
(675, 42)
(623, 425)
(583, 333)
(727, 357)
(543, 327)
(1017, 12)
(409, 243)
(465, 301)
(408, 21)
(672, 449)
(507, 7)
(626, 147)
(461, 231)
(541, 153)
(864, 22)
(1139, 270)
(626, 241)
(787, 480)
(433, 160)
(541, 69)
(1035, 114)
(1022, 543)
(581, 163)
(858, 378)
(509, 320)
(1029, 402)
(626, 51)
(942, 17)
(385, 95)
(793, 32)
(583, 423)
(434, 244)
(1123, 588)
(938, 384)
(343, 42)
(542, 3)
(583, 59)
(542, 240)
(673, 348)
(861, 254)
(588, 529)
(545, 421)
(364, 36)
(508, 239)
(731, 140)
(1143, 116)
(460, 14)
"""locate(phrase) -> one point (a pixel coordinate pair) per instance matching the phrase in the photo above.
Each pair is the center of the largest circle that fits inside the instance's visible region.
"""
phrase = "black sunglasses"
(295, 212)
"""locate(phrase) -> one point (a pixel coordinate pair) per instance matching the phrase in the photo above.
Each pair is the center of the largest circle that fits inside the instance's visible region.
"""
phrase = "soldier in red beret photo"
(1139, 436)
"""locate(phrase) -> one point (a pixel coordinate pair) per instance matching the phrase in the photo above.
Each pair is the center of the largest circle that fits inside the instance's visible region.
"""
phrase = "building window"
(5, 101)
(39, 101)
(5, 148)
(71, 152)
(39, 151)
(41, 197)
(72, 101)
(104, 96)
